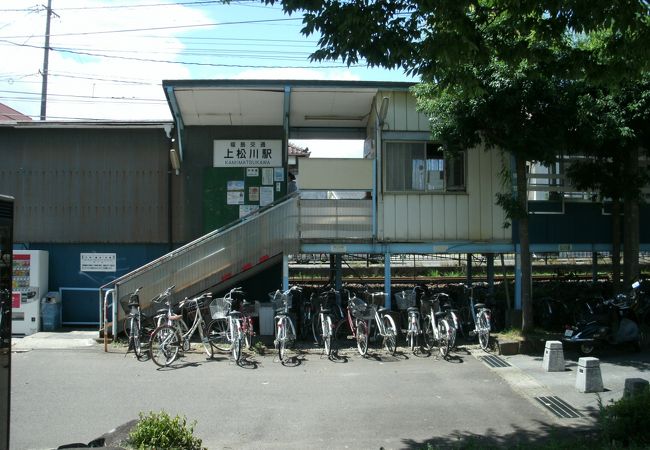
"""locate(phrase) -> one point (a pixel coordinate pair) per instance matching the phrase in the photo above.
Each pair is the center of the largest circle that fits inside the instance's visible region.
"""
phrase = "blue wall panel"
(80, 294)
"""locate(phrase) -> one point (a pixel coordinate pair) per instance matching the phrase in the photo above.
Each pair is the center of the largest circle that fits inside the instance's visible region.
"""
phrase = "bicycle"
(226, 330)
(443, 301)
(168, 339)
(436, 331)
(406, 300)
(137, 326)
(285, 331)
(323, 324)
(364, 314)
(481, 318)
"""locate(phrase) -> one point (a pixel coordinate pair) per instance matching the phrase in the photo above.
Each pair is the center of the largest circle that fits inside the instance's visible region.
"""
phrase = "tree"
(520, 111)
(457, 44)
(610, 127)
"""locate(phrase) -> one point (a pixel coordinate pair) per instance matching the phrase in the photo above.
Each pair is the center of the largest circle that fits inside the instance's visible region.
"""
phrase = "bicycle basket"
(360, 309)
(405, 299)
(219, 308)
(427, 304)
(280, 301)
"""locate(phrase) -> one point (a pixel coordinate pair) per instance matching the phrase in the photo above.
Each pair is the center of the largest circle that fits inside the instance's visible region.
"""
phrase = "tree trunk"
(631, 222)
(524, 246)
(616, 245)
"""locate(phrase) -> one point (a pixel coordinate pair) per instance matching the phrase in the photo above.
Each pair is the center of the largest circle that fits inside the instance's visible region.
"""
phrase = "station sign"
(247, 153)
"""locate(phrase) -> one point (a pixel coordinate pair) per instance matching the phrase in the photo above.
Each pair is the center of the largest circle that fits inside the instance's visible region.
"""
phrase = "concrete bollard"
(553, 356)
(634, 386)
(589, 378)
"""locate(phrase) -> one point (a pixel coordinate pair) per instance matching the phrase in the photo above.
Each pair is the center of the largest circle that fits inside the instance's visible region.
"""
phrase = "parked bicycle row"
(333, 320)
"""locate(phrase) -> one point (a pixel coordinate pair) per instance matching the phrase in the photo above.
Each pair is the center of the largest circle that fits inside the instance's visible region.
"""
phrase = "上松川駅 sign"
(247, 153)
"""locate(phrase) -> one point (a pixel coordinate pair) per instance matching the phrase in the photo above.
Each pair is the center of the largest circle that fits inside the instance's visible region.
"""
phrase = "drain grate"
(494, 361)
(559, 407)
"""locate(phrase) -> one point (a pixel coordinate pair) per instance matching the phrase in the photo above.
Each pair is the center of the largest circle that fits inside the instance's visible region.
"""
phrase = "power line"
(174, 27)
(185, 63)
(128, 6)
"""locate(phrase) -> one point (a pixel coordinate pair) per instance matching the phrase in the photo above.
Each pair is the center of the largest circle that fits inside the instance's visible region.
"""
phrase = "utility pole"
(46, 57)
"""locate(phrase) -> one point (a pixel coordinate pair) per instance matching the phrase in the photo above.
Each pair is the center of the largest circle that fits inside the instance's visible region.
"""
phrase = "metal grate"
(494, 361)
(559, 407)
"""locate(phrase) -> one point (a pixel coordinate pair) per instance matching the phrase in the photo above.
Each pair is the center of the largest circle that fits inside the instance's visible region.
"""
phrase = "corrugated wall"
(75, 185)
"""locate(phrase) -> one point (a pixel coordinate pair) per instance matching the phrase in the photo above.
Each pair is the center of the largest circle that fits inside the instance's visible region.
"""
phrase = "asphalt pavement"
(66, 389)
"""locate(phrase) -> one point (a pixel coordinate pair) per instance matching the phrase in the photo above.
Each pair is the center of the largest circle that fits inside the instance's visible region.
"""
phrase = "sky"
(109, 57)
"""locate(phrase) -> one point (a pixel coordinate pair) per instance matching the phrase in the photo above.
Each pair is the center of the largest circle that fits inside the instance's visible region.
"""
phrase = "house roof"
(8, 114)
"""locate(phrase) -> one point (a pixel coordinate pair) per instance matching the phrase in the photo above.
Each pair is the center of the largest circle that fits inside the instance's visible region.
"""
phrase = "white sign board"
(247, 153)
(98, 262)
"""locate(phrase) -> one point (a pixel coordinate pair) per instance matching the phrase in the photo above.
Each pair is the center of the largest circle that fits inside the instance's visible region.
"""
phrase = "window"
(423, 167)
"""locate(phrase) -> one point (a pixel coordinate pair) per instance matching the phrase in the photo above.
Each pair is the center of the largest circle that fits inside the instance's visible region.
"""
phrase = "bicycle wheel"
(428, 340)
(317, 329)
(454, 323)
(342, 334)
(165, 345)
(235, 348)
(390, 337)
(483, 330)
(411, 334)
(126, 327)
(247, 326)
(217, 335)
(290, 332)
(184, 330)
(281, 338)
(327, 335)
(443, 337)
(362, 336)
(136, 333)
(205, 340)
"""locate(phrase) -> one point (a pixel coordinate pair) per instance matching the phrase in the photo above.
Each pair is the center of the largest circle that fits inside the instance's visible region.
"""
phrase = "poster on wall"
(252, 172)
(254, 194)
(245, 210)
(247, 153)
(278, 174)
(266, 195)
(235, 185)
(235, 198)
(98, 262)
(267, 177)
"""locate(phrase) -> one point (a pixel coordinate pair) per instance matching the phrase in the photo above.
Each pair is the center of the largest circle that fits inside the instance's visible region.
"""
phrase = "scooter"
(614, 322)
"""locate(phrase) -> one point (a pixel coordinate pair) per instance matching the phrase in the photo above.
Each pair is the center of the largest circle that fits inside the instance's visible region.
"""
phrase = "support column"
(490, 273)
(285, 271)
(387, 287)
(338, 272)
(517, 279)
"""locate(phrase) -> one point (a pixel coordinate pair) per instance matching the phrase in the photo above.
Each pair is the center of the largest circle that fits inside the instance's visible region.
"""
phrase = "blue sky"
(110, 57)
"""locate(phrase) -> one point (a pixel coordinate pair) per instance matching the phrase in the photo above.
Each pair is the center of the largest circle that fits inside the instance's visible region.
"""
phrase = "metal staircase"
(211, 260)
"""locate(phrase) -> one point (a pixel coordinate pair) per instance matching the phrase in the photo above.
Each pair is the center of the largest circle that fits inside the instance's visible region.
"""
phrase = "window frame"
(457, 188)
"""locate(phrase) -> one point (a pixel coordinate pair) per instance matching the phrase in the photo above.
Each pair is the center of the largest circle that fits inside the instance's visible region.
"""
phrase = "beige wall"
(335, 174)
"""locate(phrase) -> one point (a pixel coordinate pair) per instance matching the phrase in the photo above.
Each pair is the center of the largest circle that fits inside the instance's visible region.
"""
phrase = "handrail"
(198, 241)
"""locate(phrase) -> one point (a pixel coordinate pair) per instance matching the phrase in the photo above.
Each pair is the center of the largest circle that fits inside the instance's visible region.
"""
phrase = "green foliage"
(259, 348)
(624, 422)
(161, 431)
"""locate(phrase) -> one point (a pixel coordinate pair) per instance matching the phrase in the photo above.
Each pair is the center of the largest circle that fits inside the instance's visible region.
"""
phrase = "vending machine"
(29, 285)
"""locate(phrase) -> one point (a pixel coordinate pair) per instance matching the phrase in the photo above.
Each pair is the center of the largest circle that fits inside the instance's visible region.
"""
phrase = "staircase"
(212, 260)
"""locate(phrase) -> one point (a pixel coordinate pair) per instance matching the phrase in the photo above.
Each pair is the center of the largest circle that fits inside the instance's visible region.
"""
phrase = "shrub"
(624, 422)
(161, 431)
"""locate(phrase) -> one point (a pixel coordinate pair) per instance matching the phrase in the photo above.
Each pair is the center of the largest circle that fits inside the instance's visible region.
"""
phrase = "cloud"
(86, 86)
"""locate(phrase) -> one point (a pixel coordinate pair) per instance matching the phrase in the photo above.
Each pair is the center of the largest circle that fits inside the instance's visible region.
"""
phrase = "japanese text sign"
(247, 153)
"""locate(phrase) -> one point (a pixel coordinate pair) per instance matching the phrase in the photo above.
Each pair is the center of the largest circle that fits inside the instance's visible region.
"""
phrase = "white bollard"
(589, 378)
(553, 356)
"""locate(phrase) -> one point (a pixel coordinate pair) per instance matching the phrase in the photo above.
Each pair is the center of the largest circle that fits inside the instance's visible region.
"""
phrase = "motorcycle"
(613, 322)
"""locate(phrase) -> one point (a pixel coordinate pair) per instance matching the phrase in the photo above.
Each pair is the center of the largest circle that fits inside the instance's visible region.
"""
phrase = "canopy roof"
(309, 105)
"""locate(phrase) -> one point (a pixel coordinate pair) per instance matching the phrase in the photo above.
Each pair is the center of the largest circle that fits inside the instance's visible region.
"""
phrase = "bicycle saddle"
(234, 313)
(479, 305)
(411, 309)
(440, 314)
(382, 310)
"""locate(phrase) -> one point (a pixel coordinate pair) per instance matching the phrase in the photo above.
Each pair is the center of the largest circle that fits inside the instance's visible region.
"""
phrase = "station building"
(201, 202)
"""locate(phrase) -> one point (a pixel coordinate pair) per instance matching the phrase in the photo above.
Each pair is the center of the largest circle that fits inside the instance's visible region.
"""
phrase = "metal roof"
(8, 114)
(312, 103)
